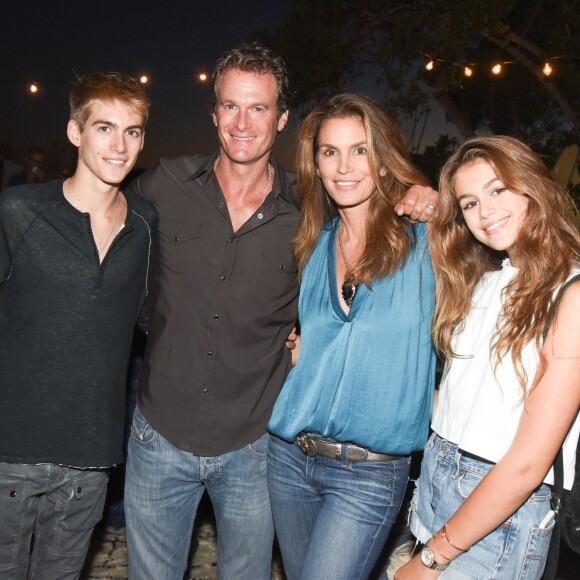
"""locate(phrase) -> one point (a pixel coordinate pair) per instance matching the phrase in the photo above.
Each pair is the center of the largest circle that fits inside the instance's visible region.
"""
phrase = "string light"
(497, 69)
(547, 70)
(468, 71)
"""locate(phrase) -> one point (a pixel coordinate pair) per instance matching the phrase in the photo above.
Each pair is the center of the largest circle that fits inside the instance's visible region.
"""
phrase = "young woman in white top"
(502, 246)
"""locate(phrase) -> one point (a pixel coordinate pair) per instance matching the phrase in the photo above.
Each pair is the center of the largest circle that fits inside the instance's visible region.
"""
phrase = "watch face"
(427, 556)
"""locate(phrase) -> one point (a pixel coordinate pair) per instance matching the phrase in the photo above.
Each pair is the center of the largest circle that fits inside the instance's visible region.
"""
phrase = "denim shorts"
(515, 550)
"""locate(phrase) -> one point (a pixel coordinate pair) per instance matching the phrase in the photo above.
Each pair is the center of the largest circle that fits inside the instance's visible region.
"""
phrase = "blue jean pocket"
(141, 431)
(259, 447)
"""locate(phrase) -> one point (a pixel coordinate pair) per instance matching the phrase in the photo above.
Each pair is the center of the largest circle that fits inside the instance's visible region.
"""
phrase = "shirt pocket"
(179, 243)
(277, 272)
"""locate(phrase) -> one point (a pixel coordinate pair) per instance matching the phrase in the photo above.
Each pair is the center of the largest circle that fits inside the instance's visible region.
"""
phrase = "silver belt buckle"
(306, 444)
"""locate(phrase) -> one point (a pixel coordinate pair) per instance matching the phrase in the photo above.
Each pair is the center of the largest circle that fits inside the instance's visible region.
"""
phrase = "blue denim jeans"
(332, 517)
(515, 550)
(163, 487)
(57, 505)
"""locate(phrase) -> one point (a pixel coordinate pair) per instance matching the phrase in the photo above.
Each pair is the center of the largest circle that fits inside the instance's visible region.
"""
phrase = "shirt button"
(260, 216)
(216, 316)
(230, 240)
(205, 391)
(210, 354)
(223, 278)
(282, 267)
(176, 239)
(12, 493)
(79, 489)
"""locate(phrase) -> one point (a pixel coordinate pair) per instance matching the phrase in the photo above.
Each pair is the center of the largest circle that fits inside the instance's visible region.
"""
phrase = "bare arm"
(548, 414)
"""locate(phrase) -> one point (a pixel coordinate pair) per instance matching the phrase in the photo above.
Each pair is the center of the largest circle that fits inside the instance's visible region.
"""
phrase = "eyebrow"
(354, 145)
(114, 125)
(485, 186)
(233, 102)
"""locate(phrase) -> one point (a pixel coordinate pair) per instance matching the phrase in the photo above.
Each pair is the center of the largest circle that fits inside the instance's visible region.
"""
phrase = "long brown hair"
(387, 236)
(547, 246)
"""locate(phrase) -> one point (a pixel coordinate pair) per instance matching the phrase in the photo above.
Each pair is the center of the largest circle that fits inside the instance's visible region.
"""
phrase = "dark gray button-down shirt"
(222, 305)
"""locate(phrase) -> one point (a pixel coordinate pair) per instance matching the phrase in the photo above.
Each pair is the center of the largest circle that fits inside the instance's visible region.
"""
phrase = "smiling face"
(110, 142)
(343, 162)
(246, 115)
(493, 214)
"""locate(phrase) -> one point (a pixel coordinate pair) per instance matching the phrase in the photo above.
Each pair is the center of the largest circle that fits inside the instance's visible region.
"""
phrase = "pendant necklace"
(112, 229)
(349, 287)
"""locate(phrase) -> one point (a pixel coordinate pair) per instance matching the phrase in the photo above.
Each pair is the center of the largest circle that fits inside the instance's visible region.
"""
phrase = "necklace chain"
(341, 248)
(349, 286)
(113, 228)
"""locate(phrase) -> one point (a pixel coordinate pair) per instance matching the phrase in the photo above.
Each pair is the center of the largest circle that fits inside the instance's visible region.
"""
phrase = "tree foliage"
(329, 44)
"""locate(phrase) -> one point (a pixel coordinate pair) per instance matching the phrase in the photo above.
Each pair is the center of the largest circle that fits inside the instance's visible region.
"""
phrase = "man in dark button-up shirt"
(223, 301)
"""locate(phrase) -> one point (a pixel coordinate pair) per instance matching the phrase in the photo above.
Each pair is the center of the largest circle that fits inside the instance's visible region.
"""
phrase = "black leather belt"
(312, 446)
(476, 457)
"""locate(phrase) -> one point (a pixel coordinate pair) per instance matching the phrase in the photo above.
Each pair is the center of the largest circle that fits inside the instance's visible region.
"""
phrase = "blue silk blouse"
(366, 377)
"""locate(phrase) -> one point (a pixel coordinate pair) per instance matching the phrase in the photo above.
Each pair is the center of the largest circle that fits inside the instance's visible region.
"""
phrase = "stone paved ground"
(107, 559)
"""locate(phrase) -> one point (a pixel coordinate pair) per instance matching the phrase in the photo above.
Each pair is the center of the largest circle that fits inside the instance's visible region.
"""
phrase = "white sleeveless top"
(477, 409)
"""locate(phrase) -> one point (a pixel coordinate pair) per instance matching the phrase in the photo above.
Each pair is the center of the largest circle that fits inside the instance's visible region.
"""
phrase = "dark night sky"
(51, 42)
(172, 41)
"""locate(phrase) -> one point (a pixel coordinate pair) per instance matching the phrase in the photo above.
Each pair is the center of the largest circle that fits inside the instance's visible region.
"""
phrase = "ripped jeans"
(517, 549)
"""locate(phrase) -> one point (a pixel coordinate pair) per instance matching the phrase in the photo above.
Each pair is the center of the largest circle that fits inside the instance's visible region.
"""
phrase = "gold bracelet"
(444, 534)
(444, 556)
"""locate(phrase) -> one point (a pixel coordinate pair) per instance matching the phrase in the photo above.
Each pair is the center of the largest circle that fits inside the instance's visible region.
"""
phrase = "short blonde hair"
(106, 87)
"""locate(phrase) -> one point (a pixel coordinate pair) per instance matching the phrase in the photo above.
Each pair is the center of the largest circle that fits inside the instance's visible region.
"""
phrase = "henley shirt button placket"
(209, 354)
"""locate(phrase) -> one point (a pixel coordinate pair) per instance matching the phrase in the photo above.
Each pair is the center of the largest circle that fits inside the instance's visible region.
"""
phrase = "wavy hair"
(387, 236)
(256, 58)
(547, 246)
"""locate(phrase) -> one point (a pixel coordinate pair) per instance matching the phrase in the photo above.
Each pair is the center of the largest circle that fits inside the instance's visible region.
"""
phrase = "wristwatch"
(428, 560)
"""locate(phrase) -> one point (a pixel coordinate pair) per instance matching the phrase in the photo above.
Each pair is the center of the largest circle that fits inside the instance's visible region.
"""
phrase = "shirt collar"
(283, 186)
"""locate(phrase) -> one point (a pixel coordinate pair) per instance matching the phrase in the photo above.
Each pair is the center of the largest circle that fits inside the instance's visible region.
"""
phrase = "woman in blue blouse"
(359, 400)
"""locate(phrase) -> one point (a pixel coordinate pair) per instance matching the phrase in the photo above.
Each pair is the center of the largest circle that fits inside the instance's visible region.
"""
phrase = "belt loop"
(344, 455)
(456, 459)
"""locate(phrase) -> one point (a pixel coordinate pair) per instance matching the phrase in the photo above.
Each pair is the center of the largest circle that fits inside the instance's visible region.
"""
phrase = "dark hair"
(35, 150)
(257, 58)
(106, 87)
